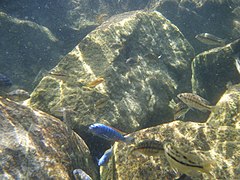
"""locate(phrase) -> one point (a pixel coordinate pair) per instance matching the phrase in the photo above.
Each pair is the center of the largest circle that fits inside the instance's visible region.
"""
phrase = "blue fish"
(5, 81)
(105, 157)
(108, 133)
(79, 174)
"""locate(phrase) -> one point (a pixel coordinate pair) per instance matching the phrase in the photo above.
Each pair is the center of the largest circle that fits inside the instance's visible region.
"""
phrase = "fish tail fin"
(128, 139)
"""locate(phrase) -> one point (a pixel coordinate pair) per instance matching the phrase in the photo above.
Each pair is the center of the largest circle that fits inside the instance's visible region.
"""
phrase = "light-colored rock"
(35, 145)
(216, 140)
(226, 112)
(144, 60)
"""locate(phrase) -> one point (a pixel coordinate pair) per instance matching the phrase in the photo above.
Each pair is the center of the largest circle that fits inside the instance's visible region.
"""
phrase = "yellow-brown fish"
(18, 95)
(101, 18)
(210, 39)
(58, 75)
(195, 101)
(189, 164)
(149, 148)
(94, 83)
(180, 110)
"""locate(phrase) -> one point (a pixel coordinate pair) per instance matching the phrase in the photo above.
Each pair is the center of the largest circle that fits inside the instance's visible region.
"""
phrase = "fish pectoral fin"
(129, 139)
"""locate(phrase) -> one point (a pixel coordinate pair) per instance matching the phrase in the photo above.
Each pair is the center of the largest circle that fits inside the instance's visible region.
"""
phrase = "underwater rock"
(69, 20)
(193, 17)
(236, 22)
(216, 141)
(227, 110)
(129, 95)
(35, 145)
(213, 69)
(25, 48)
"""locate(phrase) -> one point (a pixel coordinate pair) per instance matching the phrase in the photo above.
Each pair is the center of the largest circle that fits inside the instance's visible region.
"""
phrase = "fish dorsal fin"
(121, 132)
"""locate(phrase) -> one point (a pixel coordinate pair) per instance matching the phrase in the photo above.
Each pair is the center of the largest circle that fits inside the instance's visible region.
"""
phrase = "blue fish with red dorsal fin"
(108, 133)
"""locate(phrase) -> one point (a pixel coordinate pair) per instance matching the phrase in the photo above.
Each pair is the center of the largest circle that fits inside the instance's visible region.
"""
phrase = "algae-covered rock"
(142, 61)
(213, 69)
(69, 20)
(193, 17)
(35, 145)
(227, 109)
(216, 141)
(25, 48)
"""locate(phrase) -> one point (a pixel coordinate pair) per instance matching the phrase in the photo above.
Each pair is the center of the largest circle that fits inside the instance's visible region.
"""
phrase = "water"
(145, 58)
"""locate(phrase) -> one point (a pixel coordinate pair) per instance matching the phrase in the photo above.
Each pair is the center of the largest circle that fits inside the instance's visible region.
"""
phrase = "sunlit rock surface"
(227, 110)
(212, 70)
(217, 140)
(35, 145)
(145, 61)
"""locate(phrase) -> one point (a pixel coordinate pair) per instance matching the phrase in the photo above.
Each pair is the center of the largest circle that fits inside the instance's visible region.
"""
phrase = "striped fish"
(79, 174)
(210, 39)
(195, 101)
(185, 163)
(149, 148)
(109, 133)
(18, 95)
(180, 110)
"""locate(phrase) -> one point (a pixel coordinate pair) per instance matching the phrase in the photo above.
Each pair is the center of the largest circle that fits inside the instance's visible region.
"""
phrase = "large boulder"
(192, 17)
(35, 145)
(34, 35)
(216, 140)
(212, 70)
(25, 48)
(145, 62)
(69, 20)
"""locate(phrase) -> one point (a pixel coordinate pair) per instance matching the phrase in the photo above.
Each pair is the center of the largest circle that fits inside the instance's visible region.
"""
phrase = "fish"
(237, 63)
(186, 163)
(79, 174)
(101, 103)
(65, 113)
(18, 95)
(131, 61)
(180, 110)
(40, 75)
(105, 157)
(57, 75)
(94, 83)
(52, 73)
(149, 148)
(101, 18)
(195, 101)
(5, 81)
(210, 39)
(109, 133)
